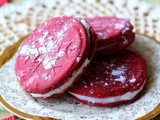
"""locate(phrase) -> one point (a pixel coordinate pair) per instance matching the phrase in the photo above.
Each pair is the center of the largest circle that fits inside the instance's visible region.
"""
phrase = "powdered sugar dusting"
(78, 59)
(24, 49)
(119, 26)
(46, 62)
(125, 29)
(121, 79)
(61, 53)
(33, 51)
(50, 38)
(59, 34)
(45, 34)
(41, 40)
(48, 65)
(97, 78)
(106, 84)
(50, 45)
(45, 47)
(132, 80)
(45, 23)
(117, 72)
(74, 47)
(42, 49)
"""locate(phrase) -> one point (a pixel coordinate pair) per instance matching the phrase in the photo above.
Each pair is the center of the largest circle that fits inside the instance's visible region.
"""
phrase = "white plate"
(67, 108)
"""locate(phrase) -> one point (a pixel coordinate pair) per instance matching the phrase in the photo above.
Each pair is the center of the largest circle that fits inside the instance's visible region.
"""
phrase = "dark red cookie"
(54, 56)
(114, 34)
(112, 80)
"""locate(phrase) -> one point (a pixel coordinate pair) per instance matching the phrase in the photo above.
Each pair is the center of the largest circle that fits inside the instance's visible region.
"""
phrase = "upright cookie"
(54, 56)
(114, 34)
(112, 80)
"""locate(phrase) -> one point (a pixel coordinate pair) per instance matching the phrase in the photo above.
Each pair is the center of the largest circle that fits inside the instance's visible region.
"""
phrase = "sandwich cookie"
(112, 80)
(54, 56)
(114, 34)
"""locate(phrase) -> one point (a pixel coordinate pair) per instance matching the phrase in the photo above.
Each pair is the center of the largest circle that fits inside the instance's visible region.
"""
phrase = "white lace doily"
(67, 108)
(16, 21)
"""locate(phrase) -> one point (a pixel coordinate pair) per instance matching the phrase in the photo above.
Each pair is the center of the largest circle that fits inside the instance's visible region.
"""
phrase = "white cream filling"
(87, 27)
(66, 85)
(126, 96)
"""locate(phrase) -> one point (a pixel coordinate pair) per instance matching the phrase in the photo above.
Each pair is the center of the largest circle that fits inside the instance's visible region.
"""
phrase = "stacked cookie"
(57, 57)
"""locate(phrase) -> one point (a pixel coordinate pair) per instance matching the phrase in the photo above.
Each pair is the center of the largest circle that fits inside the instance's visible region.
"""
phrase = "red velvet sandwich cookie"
(54, 56)
(114, 34)
(112, 80)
